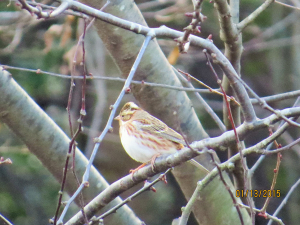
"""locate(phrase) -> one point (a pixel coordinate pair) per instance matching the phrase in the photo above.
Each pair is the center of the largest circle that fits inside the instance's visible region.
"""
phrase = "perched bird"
(145, 137)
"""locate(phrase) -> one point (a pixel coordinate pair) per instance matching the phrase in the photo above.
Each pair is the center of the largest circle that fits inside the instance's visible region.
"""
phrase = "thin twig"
(207, 108)
(277, 97)
(38, 71)
(285, 148)
(287, 5)
(276, 171)
(189, 76)
(284, 201)
(5, 220)
(268, 99)
(131, 197)
(52, 8)
(82, 114)
(249, 19)
(186, 211)
(264, 105)
(192, 28)
(280, 130)
(238, 142)
(268, 216)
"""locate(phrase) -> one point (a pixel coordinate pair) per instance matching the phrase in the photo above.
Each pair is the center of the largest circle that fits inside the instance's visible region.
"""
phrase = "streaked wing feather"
(155, 126)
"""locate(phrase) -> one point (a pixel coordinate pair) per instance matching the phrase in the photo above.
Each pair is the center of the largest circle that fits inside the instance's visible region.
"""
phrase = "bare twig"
(42, 14)
(277, 97)
(131, 197)
(52, 8)
(284, 201)
(192, 28)
(281, 128)
(207, 108)
(186, 211)
(249, 19)
(276, 171)
(268, 216)
(264, 105)
(228, 14)
(287, 5)
(268, 99)
(229, 98)
(6, 221)
(285, 148)
(273, 30)
(38, 71)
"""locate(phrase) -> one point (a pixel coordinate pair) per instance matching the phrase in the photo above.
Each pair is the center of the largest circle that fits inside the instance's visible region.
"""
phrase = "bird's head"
(128, 110)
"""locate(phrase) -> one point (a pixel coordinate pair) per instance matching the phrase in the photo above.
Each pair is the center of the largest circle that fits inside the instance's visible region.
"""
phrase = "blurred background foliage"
(270, 65)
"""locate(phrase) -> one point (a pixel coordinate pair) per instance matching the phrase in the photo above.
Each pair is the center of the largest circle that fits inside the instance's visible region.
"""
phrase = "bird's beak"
(117, 118)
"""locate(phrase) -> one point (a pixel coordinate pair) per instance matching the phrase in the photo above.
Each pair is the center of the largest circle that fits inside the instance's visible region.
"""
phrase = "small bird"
(145, 137)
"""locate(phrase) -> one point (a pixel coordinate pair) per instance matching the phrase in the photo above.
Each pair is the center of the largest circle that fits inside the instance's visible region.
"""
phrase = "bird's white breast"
(135, 149)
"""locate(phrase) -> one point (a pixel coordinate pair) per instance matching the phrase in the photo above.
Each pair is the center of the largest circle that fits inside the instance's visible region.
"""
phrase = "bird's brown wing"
(157, 127)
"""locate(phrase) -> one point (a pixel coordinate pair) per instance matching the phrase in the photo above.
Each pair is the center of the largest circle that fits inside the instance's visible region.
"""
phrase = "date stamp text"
(257, 193)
